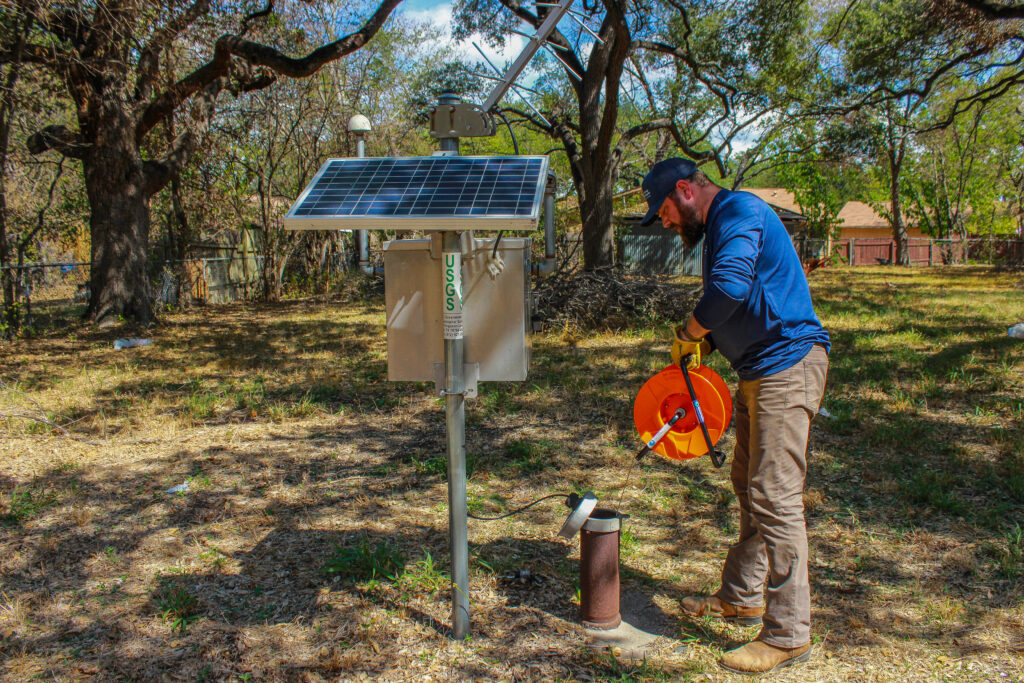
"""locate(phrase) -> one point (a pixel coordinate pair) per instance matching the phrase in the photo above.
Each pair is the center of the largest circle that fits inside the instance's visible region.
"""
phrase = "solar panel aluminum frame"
(495, 221)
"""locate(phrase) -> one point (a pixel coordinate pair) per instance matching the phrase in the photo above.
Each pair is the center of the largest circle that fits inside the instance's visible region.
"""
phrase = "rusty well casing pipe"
(599, 570)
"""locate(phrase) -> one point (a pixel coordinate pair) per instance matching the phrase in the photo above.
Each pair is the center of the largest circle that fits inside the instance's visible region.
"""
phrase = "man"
(756, 310)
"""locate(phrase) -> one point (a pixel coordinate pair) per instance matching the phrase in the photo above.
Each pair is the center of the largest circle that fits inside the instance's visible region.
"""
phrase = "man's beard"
(691, 229)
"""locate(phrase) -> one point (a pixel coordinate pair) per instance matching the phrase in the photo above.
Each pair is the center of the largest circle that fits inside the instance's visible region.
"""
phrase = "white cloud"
(441, 16)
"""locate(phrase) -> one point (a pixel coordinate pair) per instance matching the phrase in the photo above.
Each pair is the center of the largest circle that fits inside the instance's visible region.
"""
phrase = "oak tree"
(109, 56)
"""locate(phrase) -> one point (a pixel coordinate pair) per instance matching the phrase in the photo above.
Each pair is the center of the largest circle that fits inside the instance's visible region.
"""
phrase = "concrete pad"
(644, 630)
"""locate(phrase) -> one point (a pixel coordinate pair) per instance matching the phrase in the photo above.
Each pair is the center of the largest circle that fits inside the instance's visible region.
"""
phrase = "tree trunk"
(119, 225)
(899, 228)
(899, 231)
(596, 211)
(9, 325)
(596, 180)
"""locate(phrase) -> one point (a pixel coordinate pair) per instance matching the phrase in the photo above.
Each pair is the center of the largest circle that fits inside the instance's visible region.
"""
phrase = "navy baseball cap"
(661, 180)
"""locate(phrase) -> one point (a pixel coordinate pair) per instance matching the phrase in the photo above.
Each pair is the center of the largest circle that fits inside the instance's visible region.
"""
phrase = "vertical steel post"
(361, 238)
(455, 411)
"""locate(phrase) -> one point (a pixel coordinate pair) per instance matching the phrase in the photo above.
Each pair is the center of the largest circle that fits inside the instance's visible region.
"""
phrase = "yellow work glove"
(685, 346)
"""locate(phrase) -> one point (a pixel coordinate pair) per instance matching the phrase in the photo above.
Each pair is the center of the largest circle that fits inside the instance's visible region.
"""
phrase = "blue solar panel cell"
(420, 192)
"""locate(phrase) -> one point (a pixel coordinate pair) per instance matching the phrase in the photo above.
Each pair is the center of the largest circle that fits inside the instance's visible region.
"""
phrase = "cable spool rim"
(658, 399)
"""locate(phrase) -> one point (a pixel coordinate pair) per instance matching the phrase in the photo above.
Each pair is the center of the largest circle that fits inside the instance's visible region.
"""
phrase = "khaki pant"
(769, 563)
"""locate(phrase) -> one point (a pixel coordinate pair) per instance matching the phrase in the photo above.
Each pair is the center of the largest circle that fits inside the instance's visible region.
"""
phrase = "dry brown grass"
(294, 445)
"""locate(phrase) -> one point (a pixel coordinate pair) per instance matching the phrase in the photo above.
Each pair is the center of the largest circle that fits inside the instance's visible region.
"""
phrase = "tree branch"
(149, 57)
(257, 54)
(995, 10)
(259, 14)
(35, 54)
(160, 172)
(533, 121)
(647, 127)
(66, 142)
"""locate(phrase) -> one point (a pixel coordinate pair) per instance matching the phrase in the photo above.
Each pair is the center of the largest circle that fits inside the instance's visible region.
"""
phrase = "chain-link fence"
(41, 284)
(44, 288)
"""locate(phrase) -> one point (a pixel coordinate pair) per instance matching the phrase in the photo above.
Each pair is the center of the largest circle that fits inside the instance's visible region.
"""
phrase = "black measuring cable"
(518, 510)
(717, 456)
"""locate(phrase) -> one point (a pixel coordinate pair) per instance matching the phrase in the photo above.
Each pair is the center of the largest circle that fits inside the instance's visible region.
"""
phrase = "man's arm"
(694, 330)
(731, 276)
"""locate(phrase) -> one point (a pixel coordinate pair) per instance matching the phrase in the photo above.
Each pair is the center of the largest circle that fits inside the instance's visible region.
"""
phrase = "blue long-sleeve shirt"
(756, 300)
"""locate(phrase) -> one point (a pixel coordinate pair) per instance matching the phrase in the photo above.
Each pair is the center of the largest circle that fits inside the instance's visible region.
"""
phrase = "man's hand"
(685, 345)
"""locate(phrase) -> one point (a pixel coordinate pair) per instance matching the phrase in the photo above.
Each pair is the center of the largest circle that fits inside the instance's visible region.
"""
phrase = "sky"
(441, 15)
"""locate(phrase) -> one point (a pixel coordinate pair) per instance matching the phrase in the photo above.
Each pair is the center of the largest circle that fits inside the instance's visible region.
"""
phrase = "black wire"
(518, 510)
(515, 147)
(515, 143)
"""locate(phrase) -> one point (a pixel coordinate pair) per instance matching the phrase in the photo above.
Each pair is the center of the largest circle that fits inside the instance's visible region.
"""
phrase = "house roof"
(776, 196)
(861, 215)
(853, 214)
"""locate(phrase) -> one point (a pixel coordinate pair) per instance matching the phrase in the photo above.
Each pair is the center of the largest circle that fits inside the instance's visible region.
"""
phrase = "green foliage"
(819, 195)
(966, 177)
(453, 77)
(425, 575)
(176, 606)
(24, 504)
(363, 561)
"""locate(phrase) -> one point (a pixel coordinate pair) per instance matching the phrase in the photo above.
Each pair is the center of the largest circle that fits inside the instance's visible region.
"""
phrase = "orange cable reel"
(664, 394)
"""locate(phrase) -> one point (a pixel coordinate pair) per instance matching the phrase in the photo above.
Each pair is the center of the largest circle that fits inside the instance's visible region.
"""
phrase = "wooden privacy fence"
(649, 251)
(880, 251)
(873, 251)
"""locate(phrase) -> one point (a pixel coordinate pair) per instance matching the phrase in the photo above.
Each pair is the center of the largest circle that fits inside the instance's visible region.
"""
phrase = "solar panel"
(428, 193)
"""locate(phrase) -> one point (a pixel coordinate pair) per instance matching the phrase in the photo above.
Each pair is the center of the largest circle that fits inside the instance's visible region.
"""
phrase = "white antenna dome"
(359, 124)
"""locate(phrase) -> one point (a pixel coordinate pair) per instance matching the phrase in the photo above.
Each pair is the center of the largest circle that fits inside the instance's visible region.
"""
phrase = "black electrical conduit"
(517, 510)
(515, 148)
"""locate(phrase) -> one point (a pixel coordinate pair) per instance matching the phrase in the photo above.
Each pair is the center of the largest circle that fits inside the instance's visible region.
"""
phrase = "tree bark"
(115, 182)
(899, 228)
(596, 212)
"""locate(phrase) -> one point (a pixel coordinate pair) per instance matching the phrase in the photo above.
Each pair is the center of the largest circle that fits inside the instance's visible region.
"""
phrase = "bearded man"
(756, 311)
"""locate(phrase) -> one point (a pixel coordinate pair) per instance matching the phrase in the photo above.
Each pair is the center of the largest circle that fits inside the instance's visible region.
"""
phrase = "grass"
(176, 607)
(362, 561)
(530, 457)
(25, 503)
(424, 575)
(312, 479)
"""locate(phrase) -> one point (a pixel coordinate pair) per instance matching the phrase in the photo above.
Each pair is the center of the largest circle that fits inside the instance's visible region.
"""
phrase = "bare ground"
(294, 446)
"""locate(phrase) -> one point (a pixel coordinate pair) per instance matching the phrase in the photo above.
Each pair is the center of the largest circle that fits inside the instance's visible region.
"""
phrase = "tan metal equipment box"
(496, 310)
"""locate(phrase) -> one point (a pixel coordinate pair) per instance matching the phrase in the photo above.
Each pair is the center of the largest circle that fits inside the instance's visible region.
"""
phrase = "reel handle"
(717, 456)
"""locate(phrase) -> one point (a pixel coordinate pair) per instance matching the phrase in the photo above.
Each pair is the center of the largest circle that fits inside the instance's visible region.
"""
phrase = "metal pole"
(362, 239)
(455, 413)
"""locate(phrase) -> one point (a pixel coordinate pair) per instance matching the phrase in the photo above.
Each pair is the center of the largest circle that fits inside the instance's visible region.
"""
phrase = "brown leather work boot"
(759, 657)
(700, 605)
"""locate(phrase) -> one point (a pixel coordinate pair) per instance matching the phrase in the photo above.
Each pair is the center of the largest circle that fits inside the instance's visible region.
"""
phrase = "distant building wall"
(653, 250)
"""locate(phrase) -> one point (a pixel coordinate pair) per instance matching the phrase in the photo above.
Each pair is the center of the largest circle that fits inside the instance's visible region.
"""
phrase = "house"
(858, 219)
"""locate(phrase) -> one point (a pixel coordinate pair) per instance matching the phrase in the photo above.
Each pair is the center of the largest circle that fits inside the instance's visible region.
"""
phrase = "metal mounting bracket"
(464, 120)
(470, 375)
